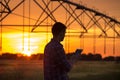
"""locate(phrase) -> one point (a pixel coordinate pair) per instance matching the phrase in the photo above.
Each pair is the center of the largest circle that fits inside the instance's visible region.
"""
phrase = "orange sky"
(111, 7)
(14, 40)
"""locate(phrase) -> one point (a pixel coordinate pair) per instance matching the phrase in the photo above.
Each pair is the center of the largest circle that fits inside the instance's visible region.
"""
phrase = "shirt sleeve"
(61, 59)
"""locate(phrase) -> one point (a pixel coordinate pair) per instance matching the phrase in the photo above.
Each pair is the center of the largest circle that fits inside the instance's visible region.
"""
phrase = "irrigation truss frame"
(72, 14)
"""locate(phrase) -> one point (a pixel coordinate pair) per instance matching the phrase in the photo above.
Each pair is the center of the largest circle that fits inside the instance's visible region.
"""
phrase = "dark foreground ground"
(83, 70)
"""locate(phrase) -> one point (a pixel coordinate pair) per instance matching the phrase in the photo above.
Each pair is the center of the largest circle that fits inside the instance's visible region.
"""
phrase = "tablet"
(78, 51)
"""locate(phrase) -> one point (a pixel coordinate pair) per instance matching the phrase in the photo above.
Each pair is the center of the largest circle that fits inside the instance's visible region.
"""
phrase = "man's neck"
(56, 38)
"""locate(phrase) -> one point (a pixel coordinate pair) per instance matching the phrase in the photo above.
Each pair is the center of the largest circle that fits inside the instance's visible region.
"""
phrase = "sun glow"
(27, 53)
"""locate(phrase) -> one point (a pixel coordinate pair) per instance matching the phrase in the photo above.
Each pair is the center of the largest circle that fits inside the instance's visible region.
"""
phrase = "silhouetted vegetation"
(19, 56)
(39, 56)
(109, 58)
(8, 56)
(117, 59)
(91, 57)
(88, 57)
(95, 57)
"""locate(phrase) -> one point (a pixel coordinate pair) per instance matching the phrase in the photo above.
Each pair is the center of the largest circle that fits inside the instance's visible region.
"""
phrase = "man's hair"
(57, 28)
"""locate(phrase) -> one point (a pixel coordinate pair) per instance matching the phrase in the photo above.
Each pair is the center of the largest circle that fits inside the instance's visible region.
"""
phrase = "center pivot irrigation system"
(82, 21)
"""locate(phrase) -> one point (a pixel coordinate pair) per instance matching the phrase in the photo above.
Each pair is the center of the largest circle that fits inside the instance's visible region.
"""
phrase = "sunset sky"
(15, 40)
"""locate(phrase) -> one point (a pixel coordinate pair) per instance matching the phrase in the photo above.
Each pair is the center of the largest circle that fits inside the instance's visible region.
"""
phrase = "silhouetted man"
(56, 65)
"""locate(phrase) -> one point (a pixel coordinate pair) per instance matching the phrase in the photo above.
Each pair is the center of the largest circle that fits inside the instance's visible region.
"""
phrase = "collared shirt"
(56, 65)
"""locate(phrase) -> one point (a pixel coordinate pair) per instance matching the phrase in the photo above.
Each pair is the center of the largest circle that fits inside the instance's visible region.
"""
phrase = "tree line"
(39, 56)
(95, 57)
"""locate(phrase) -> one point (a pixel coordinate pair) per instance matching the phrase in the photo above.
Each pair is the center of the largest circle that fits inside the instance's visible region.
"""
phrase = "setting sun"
(27, 53)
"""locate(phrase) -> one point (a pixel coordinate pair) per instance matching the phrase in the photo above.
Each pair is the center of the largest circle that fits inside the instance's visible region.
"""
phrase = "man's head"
(58, 31)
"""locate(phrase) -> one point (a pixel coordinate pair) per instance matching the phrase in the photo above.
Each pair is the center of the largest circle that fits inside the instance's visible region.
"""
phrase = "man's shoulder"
(50, 45)
(53, 44)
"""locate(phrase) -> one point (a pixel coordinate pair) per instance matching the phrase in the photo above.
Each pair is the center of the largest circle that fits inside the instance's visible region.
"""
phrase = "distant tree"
(97, 57)
(117, 59)
(38, 56)
(69, 55)
(9, 56)
(0, 57)
(83, 57)
(90, 56)
(109, 58)
(41, 57)
(34, 57)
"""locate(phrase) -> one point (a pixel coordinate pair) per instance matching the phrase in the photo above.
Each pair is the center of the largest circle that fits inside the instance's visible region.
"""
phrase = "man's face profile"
(62, 35)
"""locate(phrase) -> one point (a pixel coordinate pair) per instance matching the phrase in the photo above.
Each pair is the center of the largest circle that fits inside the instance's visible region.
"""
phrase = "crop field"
(82, 70)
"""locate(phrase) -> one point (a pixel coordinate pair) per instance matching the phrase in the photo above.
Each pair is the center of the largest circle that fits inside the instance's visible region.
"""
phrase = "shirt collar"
(55, 41)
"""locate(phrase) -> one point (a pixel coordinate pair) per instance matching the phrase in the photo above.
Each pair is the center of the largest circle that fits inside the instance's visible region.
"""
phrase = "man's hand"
(75, 57)
(78, 51)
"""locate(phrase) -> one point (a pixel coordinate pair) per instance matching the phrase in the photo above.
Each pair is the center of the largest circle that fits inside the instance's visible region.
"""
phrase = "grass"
(83, 70)
(95, 71)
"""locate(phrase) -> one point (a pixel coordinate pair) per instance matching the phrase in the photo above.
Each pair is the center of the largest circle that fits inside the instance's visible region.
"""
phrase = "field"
(83, 70)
